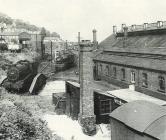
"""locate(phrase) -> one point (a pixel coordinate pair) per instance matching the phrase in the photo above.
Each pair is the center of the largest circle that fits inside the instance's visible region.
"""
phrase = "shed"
(127, 95)
(72, 99)
(138, 120)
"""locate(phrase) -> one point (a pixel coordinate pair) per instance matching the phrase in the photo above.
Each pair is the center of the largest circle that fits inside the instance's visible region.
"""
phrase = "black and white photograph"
(82, 70)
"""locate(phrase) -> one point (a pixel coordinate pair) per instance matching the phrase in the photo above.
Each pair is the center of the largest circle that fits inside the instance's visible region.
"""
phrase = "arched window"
(161, 83)
(123, 74)
(101, 68)
(114, 72)
(107, 70)
(144, 80)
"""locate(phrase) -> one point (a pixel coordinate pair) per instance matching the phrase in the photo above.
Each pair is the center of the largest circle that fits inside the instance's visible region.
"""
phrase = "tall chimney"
(79, 38)
(87, 117)
(125, 36)
(94, 36)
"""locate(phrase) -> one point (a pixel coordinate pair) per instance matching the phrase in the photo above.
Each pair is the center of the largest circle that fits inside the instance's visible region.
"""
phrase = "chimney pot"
(133, 27)
(114, 29)
(145, 26)
(125, 31)
(159, 24)
(123, 25)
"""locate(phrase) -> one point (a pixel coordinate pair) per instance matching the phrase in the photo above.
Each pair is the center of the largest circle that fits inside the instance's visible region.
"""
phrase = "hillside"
(8, 22)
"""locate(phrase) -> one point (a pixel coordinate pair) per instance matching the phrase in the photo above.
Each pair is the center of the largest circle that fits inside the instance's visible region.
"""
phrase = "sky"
(68, 17)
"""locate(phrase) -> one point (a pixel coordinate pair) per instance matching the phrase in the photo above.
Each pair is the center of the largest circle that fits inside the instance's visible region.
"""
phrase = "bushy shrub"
(17, 123)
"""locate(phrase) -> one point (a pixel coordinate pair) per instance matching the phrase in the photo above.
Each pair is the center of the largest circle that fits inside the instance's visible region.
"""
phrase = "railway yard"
(40, 106)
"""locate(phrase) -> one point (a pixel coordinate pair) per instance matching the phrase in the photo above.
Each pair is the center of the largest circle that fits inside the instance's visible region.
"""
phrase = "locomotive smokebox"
(19, 71)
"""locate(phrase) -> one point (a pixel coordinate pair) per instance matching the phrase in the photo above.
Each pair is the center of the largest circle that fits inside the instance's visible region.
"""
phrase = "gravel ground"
(68, 129)
(64, 126)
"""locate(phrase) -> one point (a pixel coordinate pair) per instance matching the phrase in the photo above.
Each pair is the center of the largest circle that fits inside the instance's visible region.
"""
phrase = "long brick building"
(135, 55)
(128, 65)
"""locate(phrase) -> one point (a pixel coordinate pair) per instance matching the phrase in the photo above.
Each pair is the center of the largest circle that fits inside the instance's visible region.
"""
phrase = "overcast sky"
(68, 17)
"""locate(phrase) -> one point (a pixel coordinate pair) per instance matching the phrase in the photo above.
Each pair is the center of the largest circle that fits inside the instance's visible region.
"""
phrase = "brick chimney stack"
(79, 38)
(86, 116)
(94, 36)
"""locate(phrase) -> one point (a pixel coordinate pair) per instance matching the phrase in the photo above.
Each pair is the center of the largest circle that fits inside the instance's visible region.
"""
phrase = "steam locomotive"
(21, 75)
(64, 61)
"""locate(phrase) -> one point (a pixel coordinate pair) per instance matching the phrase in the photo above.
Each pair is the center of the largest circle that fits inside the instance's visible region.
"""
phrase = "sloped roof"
(24, 36)
(9, 33)
(140, 62)
(130, 95)
(158, 128)
(142, 44)
(142, 116)
(76, 84)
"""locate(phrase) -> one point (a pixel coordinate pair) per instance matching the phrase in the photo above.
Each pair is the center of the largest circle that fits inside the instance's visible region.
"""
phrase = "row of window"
(161, 79)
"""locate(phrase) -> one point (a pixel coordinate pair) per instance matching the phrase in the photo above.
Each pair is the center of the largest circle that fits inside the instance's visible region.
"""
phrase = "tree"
(43, 32)
(54, 34)
(5, 19)
(48, 33)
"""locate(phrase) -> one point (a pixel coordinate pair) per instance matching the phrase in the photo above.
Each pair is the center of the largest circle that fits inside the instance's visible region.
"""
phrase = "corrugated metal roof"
(138, 115)
(157, 129)
(130, 95)
(155, 64)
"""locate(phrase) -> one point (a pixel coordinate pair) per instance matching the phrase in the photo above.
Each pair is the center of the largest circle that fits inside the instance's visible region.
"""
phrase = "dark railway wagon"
(65, 61)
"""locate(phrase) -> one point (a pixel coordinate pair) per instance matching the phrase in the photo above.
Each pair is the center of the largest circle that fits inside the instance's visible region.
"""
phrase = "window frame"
(133, 77)
(107, 71)
(123, 74)
(114, 72)
(144, 80)
(101, 67)
(161, 78)
(105, 106)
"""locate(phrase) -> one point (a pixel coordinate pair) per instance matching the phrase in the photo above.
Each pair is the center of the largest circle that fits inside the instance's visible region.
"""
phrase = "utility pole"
(66, 45)
(36, 42)
(79, 55)
(51, 51)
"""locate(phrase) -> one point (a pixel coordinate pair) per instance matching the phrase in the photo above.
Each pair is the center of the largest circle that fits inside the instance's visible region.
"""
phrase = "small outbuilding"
(72, 99)
(138, 120)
